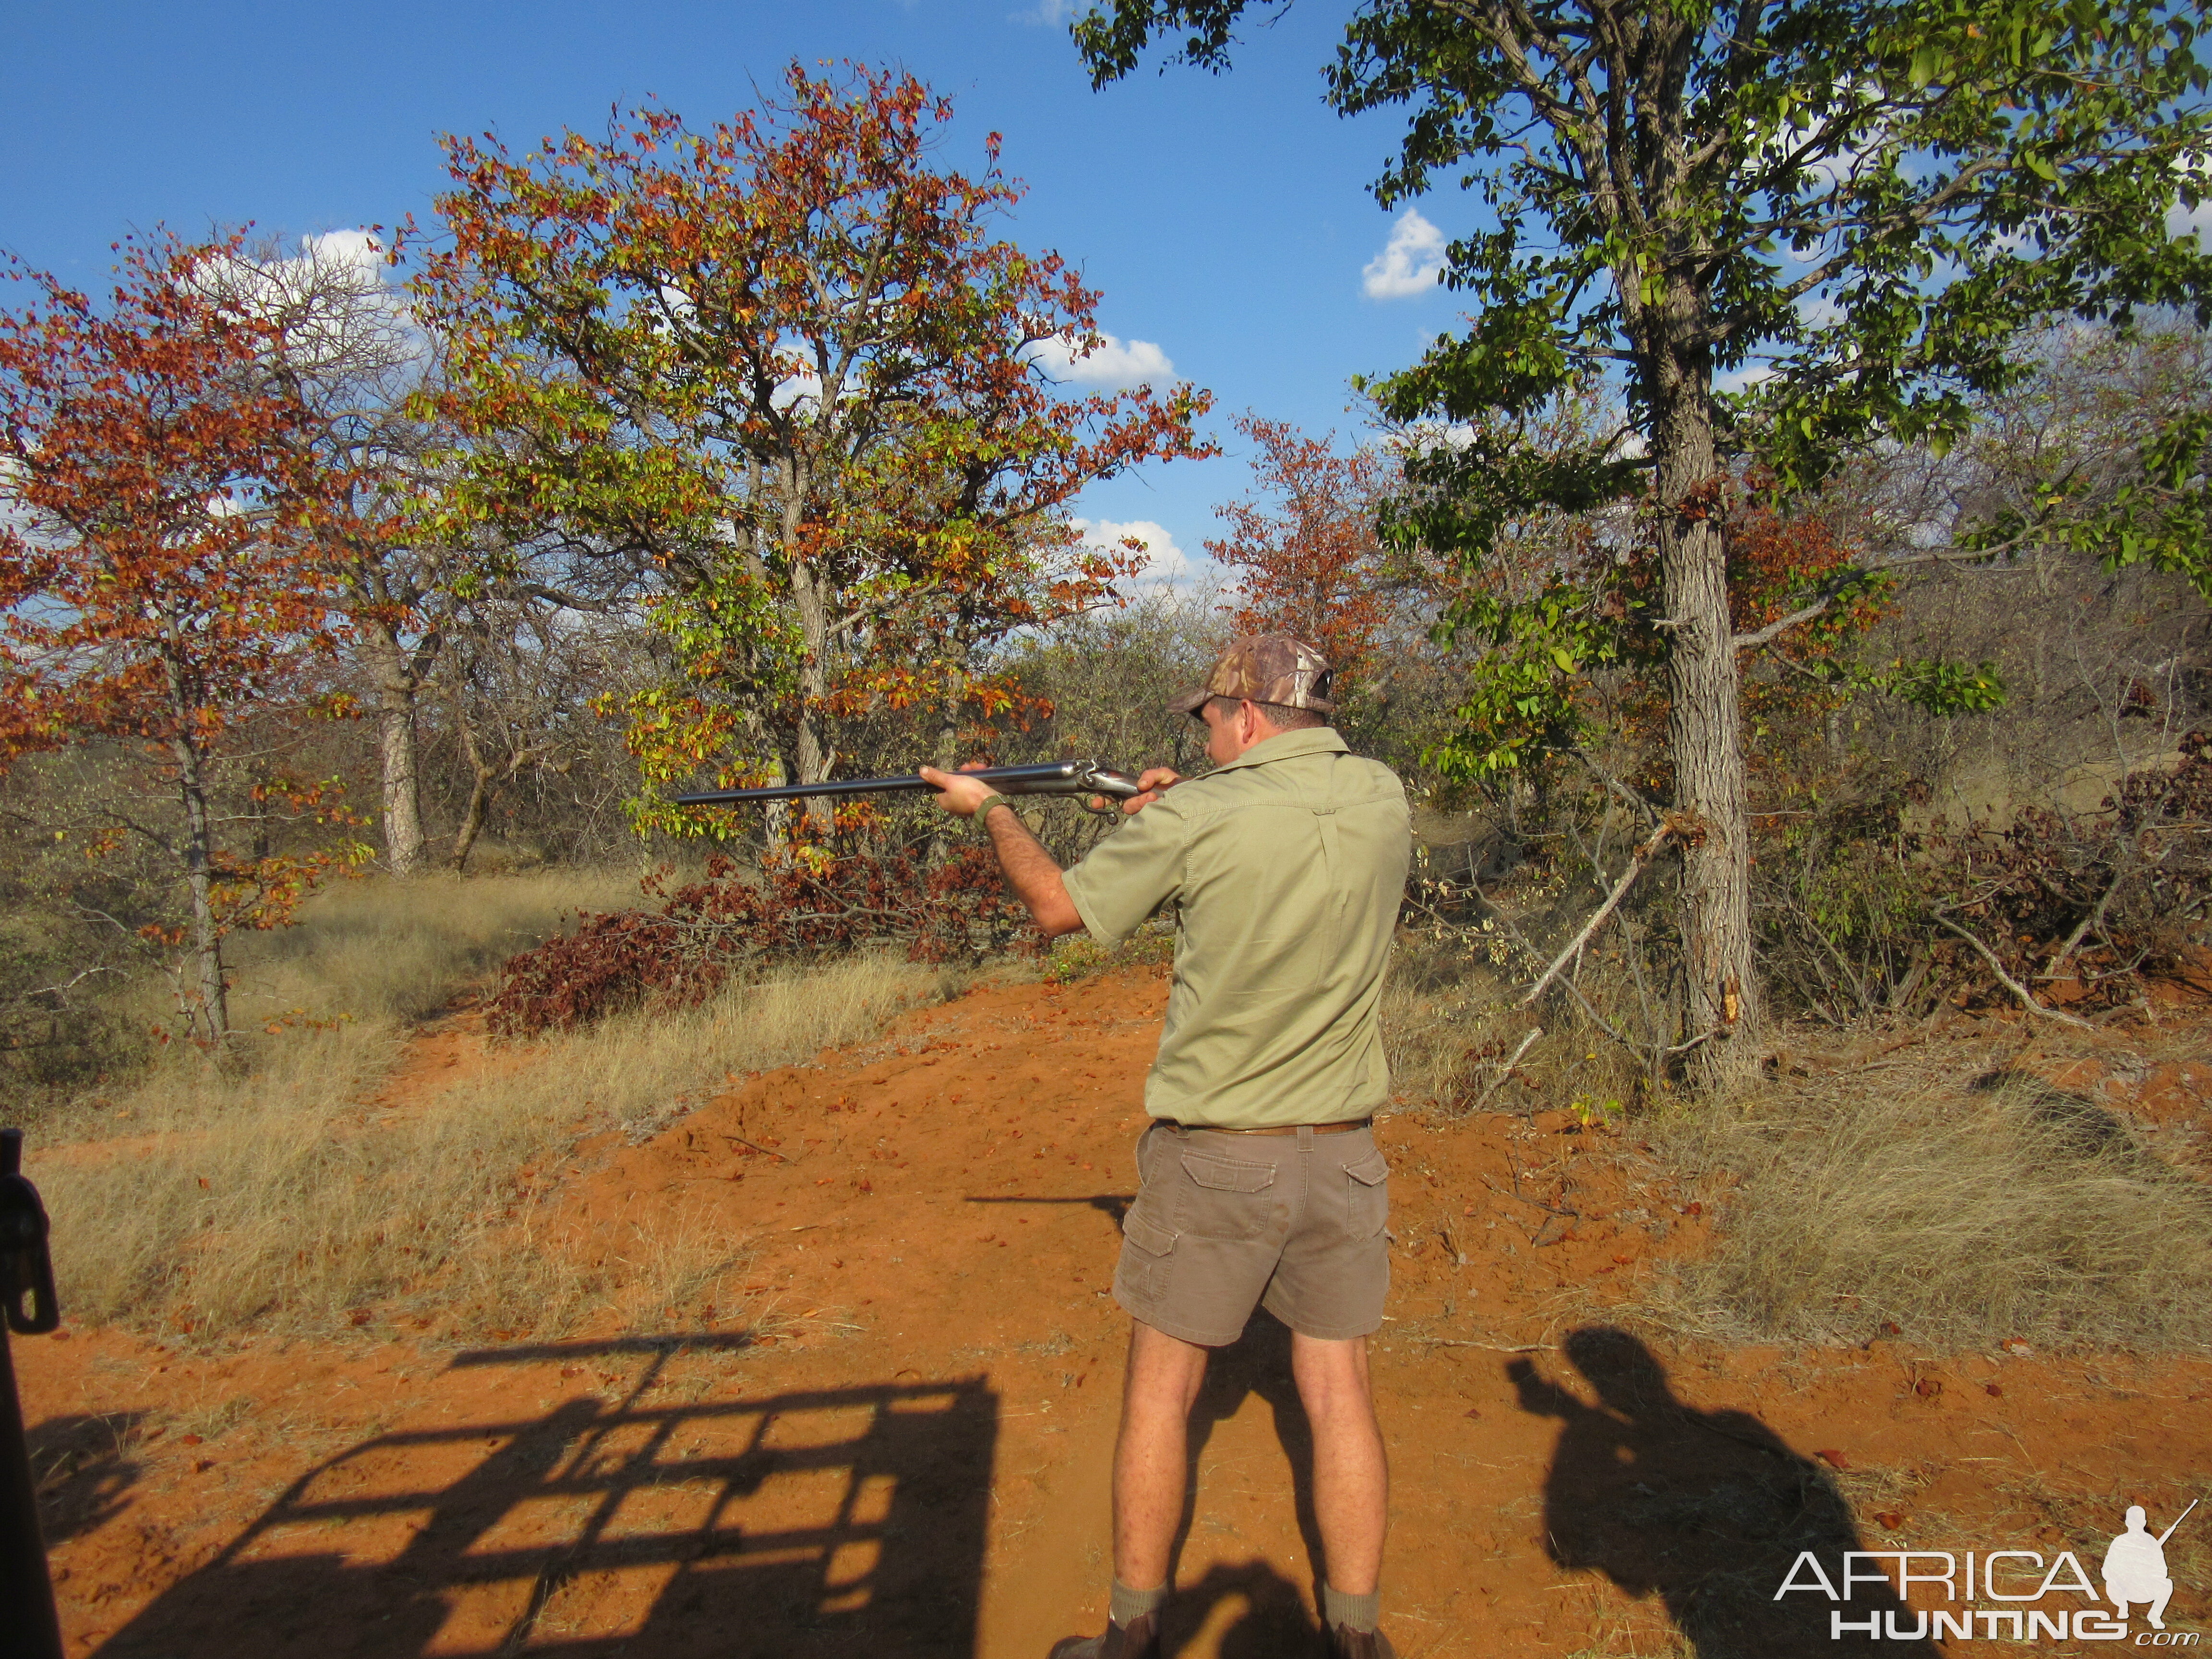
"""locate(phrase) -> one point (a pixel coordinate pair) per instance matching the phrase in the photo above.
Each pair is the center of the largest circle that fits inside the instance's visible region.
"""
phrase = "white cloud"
(1050, 13)
(1743, 377)
(1818, 310)
(335, 270)
(2182, 222)
(1167, 563)
(803, 385)
(1113, 367)
(356, 250)
(338, 313)
(1410, 262)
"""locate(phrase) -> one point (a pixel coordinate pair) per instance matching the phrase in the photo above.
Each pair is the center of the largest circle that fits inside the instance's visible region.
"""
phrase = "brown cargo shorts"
(1226, 1223)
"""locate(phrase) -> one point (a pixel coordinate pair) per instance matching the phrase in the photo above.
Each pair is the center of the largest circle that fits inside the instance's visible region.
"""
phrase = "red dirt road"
(902, 1446)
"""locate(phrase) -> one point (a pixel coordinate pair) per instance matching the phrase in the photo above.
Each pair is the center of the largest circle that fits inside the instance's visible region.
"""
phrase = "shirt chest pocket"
(1225, 1198)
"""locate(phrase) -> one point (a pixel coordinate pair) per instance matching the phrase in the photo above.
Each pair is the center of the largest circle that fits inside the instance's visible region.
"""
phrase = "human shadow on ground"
(823, 1523)
(1275, 1622)
(83, 1466)
(1708, 1510)
(1113, 1205)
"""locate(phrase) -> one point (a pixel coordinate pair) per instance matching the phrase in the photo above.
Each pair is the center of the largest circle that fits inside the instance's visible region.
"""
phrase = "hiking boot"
(1345, 1643)
(1140, 1639)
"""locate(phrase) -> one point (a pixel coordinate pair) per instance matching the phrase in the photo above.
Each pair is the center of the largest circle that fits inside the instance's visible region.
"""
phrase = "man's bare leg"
(1150, 1456)
(1351, 1472)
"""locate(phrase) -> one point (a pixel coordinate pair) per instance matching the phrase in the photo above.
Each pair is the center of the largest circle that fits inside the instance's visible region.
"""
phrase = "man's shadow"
(1708, 1510)
(1278, 1622)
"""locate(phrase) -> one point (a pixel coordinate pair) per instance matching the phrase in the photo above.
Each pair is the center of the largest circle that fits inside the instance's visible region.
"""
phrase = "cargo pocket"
(1223, 1198)
(1140, 1277)
(1369, 1195)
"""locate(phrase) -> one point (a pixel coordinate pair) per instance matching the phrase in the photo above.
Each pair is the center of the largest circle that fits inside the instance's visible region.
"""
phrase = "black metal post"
(29, 1627)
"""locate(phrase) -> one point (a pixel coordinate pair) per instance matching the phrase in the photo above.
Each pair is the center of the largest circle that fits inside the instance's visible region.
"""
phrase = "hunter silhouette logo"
(2134, 1565)
(1885, 1594)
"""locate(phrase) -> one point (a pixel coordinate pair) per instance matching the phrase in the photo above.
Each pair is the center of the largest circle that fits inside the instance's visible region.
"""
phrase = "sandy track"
(903, 1450)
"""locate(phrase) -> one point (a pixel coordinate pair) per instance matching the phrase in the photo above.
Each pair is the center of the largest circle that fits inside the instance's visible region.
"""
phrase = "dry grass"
(1444, 1004)
(1451, 1023)
(322, 1008)
(385, 952)
(283, 1194)
(1961, 1213)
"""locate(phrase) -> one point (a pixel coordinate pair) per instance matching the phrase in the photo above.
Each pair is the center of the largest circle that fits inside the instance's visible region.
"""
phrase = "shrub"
(799, 909)
(2096, 899)
(1852, 901)
(1079, 957)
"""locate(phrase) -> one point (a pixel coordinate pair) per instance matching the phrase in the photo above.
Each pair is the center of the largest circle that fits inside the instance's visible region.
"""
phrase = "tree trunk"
(395, 682)
(199, 877)
(946, 754)
(1704, 720)
(473, 821)
(813, 753)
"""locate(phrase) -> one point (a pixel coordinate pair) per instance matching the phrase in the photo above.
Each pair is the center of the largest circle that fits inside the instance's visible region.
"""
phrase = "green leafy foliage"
(2119, 475)
(1856, 210)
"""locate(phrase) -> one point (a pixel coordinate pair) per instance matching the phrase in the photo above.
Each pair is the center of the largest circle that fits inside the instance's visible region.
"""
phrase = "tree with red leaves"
(1305, 552)
(784, 361)
(159, 585)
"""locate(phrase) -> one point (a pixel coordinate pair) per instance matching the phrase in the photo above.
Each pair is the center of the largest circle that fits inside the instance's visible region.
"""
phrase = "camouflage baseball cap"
(1277, 668)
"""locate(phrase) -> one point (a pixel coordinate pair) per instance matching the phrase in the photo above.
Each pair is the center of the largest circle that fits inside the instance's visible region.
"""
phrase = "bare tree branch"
(2027, 997)
(1642, 856)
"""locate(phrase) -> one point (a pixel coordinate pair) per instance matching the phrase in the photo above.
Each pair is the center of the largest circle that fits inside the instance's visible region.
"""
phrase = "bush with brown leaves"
(801, 907)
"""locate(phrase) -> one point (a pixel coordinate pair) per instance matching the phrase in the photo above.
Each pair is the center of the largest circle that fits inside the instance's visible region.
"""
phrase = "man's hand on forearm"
(957, 794)
(1031, 871)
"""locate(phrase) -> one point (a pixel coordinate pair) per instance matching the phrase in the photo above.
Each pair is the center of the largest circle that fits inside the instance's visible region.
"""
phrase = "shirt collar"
(1286, 745)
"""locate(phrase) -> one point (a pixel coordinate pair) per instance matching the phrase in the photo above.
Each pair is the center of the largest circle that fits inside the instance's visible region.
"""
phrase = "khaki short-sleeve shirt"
(1287, 867)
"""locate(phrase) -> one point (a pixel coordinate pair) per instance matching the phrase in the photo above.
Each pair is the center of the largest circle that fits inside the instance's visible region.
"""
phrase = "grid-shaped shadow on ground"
(840, 1521)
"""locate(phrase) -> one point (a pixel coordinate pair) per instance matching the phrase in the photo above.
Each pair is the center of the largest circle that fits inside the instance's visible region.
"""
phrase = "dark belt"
(1345, 1126)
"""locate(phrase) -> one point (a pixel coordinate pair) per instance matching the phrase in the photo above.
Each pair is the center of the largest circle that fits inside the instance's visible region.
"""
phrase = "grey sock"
(1130, 1605)
(1360, 1613)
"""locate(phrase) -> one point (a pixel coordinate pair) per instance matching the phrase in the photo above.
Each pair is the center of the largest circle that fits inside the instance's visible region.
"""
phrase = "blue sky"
(1226, 220)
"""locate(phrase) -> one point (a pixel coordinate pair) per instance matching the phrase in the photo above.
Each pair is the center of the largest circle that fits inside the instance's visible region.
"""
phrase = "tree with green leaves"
(1785, 232)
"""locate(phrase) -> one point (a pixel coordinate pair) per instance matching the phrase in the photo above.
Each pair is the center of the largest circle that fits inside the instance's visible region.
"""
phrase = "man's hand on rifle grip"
(1156, 781)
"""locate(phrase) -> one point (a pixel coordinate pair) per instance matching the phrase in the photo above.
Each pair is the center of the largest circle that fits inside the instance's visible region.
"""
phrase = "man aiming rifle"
(1261, 1183)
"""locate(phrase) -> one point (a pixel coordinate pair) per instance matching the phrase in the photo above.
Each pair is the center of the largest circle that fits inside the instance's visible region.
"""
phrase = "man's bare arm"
(1035, 874)
(1032, 871)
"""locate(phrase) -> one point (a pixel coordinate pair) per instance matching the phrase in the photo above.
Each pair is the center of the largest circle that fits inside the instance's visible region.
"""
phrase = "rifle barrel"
(2177, 1520)
(1051, 778)
(802, 790)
